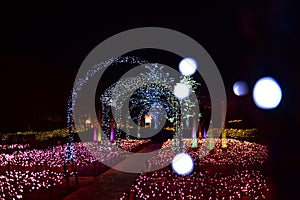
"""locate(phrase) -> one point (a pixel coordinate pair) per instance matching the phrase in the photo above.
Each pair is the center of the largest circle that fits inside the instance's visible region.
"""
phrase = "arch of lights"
(78, 85)
(153, 73)
(155, 99)
(145, 37)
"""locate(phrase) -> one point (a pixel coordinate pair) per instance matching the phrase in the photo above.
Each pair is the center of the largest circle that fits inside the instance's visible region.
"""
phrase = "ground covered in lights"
(44, 173)
(238, 171)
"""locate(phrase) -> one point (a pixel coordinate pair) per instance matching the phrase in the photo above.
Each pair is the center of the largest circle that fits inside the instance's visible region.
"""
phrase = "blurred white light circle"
(183, 164)
(187, 66)
(181, 90)
(267, 93)
(240, 88)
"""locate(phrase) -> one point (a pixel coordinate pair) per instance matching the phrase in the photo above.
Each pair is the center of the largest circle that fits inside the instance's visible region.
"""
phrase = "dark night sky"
(44, 43)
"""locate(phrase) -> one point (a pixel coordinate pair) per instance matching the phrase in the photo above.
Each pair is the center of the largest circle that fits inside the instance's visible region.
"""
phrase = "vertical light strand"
(112, 133)
(95, 134)
(210, 136)
(194, 135)
(224, 140)
(199, 130)
(69, 150)
(99, 138)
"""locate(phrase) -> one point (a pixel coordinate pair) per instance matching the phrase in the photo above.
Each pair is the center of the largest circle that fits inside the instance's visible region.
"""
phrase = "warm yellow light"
(148, 118)
(169, 128)
(88, 121)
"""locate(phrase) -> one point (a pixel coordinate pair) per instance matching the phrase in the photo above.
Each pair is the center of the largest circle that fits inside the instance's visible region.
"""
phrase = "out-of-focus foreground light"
(267, 93)
(240, 88)
(183, 164)
(187, 66)
(181, 90)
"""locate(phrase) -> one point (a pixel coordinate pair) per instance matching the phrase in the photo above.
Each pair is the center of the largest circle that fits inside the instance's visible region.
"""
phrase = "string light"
(242, 180)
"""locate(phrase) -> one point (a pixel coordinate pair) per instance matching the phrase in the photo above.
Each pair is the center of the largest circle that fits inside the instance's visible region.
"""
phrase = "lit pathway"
(110, 184)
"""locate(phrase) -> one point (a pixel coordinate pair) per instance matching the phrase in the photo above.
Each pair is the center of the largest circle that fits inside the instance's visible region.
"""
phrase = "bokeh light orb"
(183, 164)
(240, 88)
(187, 66)
(267, 93)
(181, 90)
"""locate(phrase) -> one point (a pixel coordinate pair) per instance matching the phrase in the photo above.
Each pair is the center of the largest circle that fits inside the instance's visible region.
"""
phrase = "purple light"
(112, 134)
(193, 133)
(204, 133)
(95, 134)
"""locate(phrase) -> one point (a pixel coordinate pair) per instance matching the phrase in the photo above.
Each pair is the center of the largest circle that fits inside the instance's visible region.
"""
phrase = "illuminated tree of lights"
(148, 95)
(144, 98)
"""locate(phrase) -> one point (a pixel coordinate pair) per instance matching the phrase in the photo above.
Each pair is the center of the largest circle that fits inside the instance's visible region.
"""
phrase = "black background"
(43, 45)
